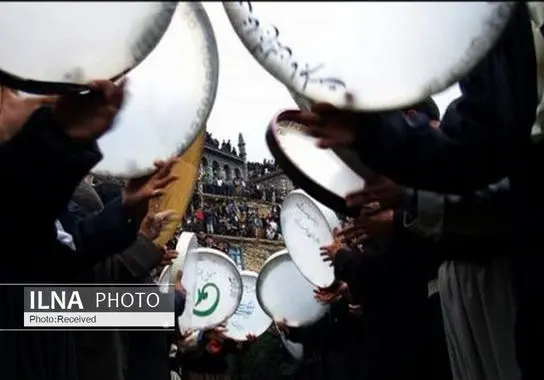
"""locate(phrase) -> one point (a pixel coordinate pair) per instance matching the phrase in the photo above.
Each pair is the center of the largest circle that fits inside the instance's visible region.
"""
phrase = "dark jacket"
(486, 136)
(115, 355)
(40, 168)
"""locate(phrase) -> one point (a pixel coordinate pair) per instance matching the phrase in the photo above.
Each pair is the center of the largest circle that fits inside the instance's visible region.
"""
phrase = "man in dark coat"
(54, 146)
(485, 136)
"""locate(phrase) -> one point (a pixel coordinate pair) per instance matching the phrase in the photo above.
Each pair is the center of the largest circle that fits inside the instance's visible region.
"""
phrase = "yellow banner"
(178, 194)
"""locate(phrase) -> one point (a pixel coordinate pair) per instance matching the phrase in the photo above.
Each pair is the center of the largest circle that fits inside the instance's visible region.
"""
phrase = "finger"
(164, 216)
(306, 118)
(324, 108)
(179, 275)
(163, 182)
(360, 198)
(159, 164)
(156, 193)
(167, 168)
(106, 88)
(328, 143)
(120, 93)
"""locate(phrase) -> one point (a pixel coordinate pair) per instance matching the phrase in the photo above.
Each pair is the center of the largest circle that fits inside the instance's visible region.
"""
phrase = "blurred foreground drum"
(249, 318)
(49, 47)
(295, 349)
(170, 96)
(284, 294)
(187, 242)
(368, 55)
(215, 291)
(307, 225)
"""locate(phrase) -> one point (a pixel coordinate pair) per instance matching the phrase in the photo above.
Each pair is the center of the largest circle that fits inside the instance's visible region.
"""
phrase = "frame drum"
(307, 225)
(370, 55)
(295, 349)
(322, 173)
(50, 47)
(249, 318)
(216, 292)
(186, 243)
(170, 96)
(284, 294)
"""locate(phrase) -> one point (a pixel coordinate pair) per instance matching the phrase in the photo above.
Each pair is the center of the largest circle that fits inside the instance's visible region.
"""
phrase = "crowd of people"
(232, 217)
(436, 277)
(213, 183)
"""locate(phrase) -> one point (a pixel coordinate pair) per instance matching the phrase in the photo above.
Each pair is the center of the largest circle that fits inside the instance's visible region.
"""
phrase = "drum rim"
(330, 218)
(281, 255)
(297, 176)
(180, 260)
(217, 253)
(38, 87)
(339, 94)
(255, 275)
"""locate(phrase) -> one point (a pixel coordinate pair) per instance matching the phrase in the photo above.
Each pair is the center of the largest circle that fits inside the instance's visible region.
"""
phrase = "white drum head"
(284, 294)
(306, 226)
(187, 241)
(170, 96)
(368, 55)
(50, 47)
(320, 172)
(249, 318)
(217, 293)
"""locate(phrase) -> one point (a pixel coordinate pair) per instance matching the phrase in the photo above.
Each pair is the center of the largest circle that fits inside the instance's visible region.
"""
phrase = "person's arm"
(468, 152)
(134, 263)
(308, 335)
(43, 165)
(485, 214)
(179, 302)
(110, 231)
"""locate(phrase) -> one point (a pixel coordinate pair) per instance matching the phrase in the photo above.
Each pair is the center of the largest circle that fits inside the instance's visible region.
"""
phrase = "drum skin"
(284, 293)
(371, 56)
(307, 226)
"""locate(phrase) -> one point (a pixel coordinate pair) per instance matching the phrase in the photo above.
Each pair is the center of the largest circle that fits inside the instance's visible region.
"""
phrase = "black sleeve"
(43, 165)
(471, 149)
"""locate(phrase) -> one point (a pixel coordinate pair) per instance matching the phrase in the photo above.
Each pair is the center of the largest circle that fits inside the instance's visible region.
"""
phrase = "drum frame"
(255, 275)
(47, 88)
(299, 178)
(279, 255)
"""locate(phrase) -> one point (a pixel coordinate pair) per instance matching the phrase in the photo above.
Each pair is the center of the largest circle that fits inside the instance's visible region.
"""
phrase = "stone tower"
(243, 154)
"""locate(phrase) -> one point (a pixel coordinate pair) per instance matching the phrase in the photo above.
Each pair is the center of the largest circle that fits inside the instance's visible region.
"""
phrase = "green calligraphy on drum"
(203, 295)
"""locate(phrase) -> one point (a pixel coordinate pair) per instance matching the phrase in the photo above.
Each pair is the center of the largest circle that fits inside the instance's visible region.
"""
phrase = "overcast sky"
(248, 96)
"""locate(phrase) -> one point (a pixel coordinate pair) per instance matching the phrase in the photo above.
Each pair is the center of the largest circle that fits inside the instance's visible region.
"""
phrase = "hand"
(250, 338)
(153, 224)
(89, 116)
(178, 285)
(216, 333)
(281, 327)
(332, 127)
(332, 293)
(139, 190)
(379, 189)
(328, 252)
(168, 256)
(15, 110)
(355, 309)
(367, 226)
